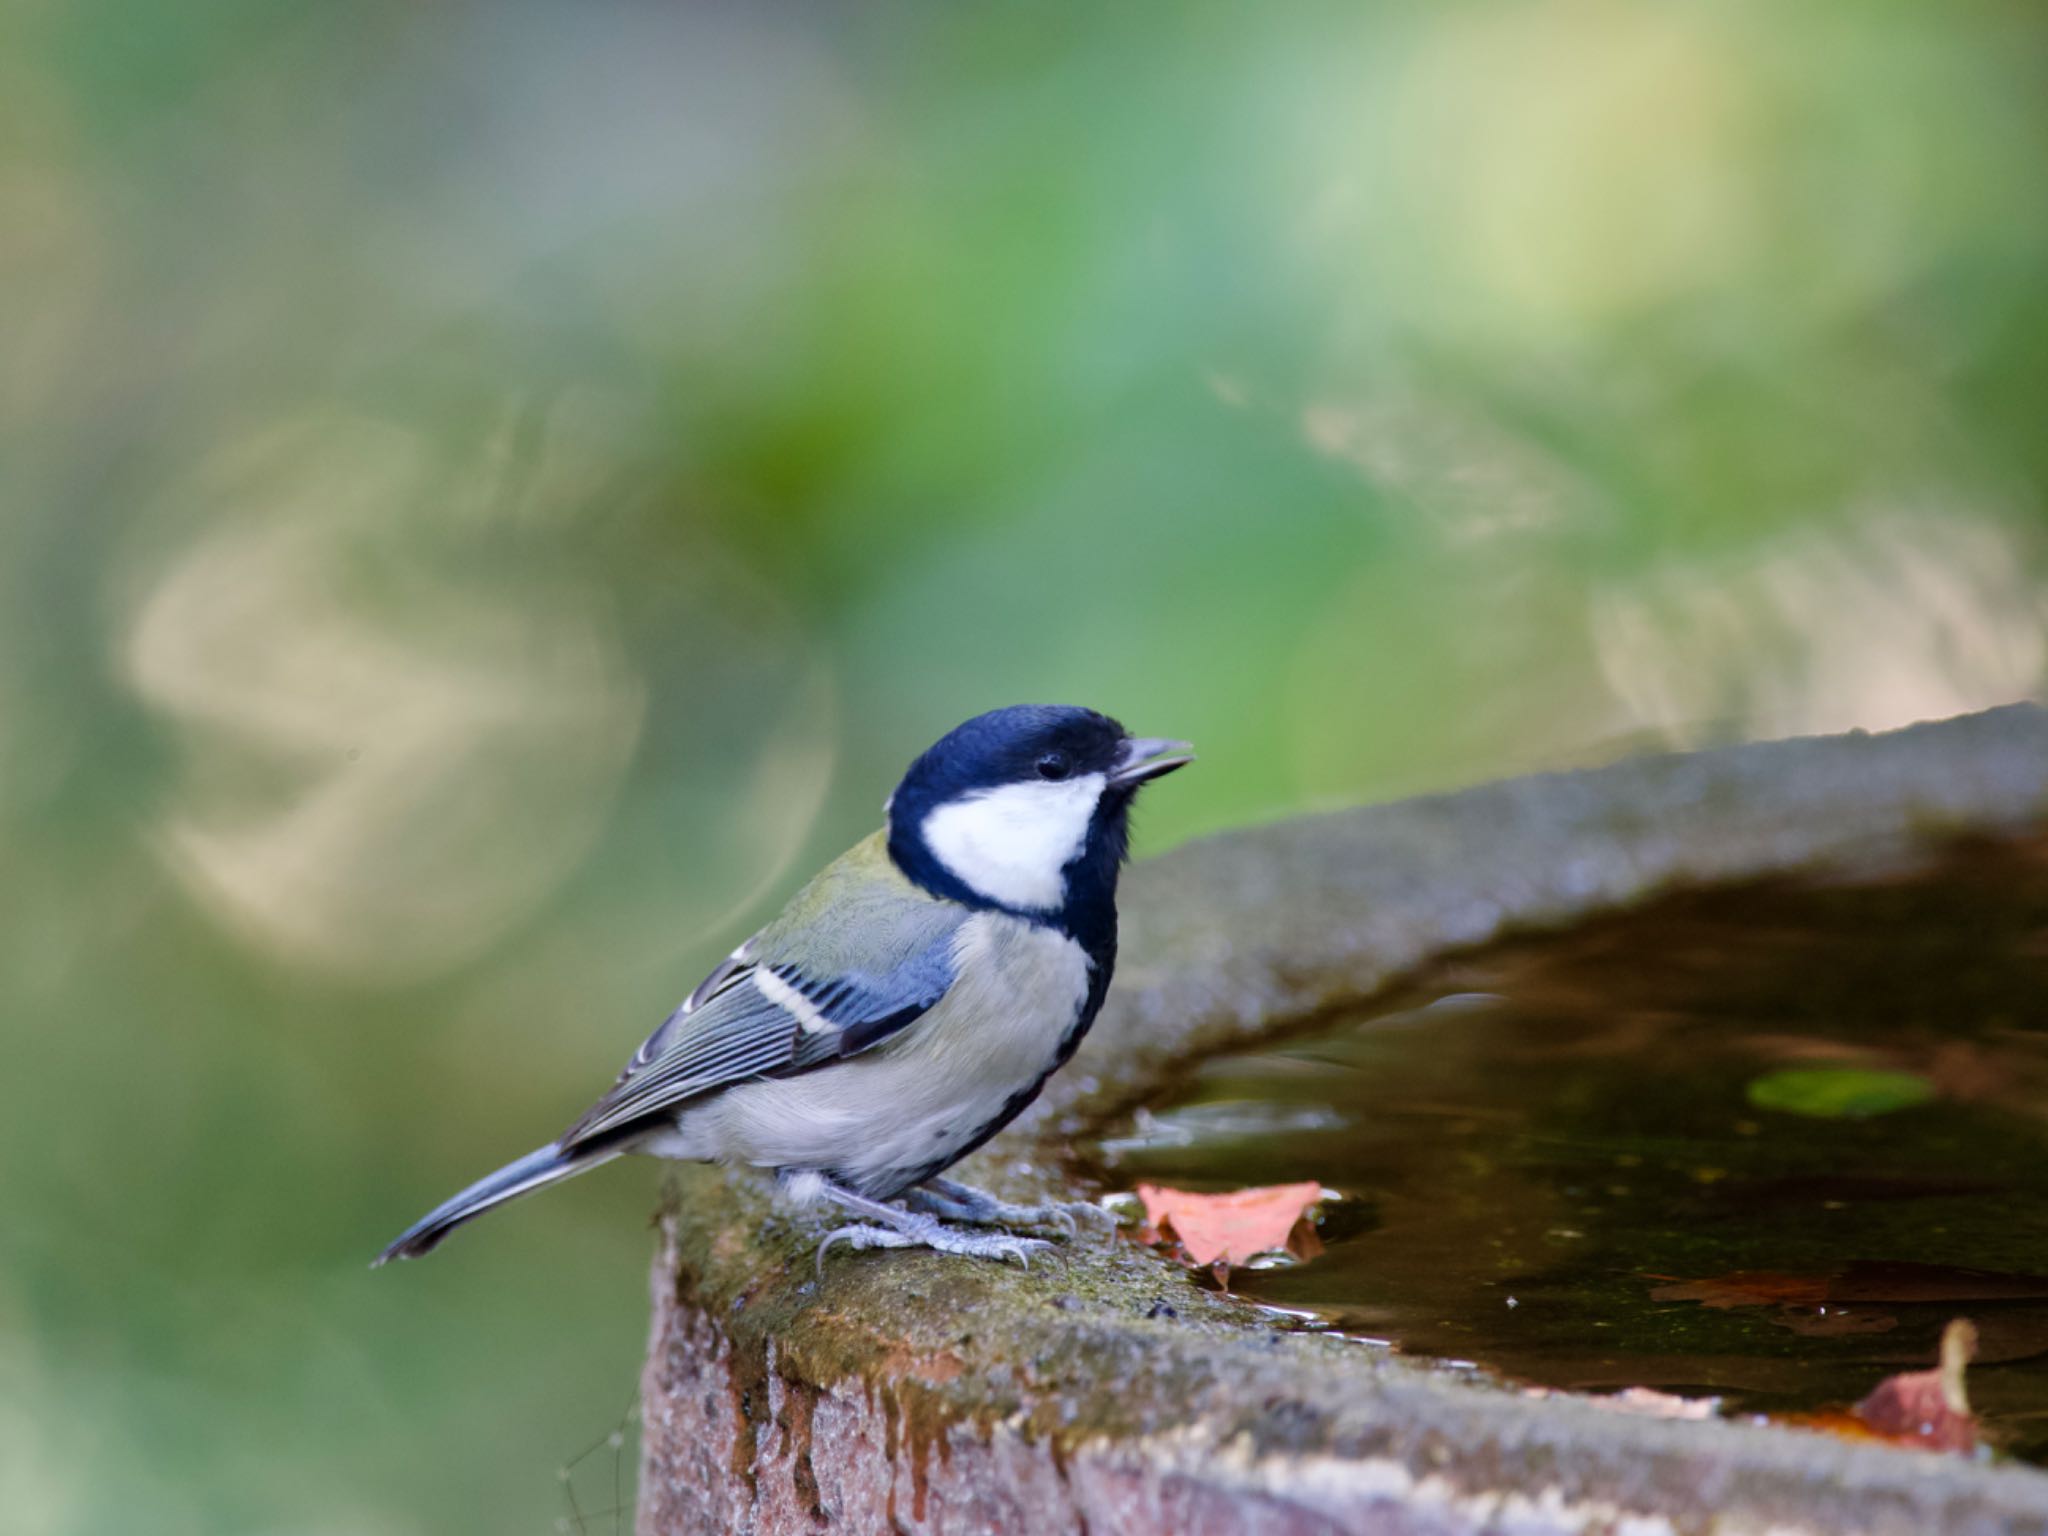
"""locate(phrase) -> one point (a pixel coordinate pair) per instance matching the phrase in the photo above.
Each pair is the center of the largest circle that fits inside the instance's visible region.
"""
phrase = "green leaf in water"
(1835, 1093)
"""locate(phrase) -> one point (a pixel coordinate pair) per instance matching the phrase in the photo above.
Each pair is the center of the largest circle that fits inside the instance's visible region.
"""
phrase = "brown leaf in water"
(1836, 1322)
(1219, 1231)
(1927, 1410)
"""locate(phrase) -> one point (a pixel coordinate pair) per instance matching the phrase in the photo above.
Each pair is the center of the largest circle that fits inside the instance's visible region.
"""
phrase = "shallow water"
(1543, 1149)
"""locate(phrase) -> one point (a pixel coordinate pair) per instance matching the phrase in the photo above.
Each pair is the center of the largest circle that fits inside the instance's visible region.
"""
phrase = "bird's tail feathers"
(548, 1165)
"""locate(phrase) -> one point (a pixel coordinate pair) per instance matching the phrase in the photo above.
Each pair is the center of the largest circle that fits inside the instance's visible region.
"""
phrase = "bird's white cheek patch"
(1013, 844)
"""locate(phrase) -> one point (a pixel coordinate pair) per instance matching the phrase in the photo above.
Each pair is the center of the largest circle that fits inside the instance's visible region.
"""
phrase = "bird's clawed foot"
(925, 1232)
(963, 1202)
(891, 1226)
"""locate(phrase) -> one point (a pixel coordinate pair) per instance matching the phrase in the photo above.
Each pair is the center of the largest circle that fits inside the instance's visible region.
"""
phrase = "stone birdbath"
(1111, 1394)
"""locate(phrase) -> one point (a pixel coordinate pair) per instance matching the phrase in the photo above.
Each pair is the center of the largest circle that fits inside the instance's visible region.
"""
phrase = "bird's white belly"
(915, 1102)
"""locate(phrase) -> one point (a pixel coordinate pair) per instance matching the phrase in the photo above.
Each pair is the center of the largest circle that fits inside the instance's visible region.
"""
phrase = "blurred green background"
(493, 494)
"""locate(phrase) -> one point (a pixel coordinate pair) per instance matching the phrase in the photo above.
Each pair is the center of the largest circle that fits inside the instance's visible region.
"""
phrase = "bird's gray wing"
(761, 1013)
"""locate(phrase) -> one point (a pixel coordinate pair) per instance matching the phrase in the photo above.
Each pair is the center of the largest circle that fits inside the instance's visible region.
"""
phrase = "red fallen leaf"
(1218, 1231)
(1926, 1410)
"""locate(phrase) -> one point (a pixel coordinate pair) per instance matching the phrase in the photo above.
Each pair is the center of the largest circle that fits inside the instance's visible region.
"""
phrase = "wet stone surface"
(1759, 1143)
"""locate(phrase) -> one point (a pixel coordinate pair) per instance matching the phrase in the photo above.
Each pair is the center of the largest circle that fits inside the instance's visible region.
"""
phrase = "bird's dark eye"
(1053, 766)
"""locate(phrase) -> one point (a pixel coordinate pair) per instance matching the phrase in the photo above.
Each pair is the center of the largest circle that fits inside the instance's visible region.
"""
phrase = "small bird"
(904, 1007)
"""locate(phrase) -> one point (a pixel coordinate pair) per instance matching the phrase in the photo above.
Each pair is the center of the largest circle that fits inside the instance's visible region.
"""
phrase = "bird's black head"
(1026, 809)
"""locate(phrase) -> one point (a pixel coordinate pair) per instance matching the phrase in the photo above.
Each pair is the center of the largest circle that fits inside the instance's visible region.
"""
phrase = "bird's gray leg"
(963, 1202)
(890, 1226)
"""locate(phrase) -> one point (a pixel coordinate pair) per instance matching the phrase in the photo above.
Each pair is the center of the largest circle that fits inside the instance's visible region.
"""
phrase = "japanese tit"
(904, 1007)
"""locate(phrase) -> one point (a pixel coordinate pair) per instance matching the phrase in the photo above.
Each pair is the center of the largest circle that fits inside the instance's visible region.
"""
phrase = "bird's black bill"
(1148, 757)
